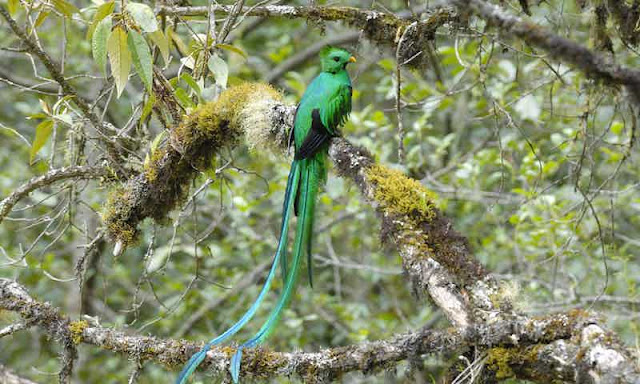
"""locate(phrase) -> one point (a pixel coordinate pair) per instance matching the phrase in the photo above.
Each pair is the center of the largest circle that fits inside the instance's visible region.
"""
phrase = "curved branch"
(72, 172)
(595, 66)
(14, 297)
(565, 334)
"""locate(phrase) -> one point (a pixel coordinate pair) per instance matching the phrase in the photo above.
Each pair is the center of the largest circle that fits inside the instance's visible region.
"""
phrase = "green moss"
(502, 361)
(76, 328)
(115, 216)
(401, 195)
(261, 362)
(498, 361)
(217, 121)
(151, 166)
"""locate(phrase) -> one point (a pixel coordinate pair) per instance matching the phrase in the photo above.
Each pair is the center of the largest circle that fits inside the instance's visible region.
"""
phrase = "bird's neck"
(339, 74)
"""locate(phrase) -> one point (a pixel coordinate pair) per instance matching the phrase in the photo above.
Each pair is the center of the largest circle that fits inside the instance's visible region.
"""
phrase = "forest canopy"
(480, 220)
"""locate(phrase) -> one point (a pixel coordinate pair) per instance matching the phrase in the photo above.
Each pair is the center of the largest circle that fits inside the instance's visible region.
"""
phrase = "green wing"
(337, 108)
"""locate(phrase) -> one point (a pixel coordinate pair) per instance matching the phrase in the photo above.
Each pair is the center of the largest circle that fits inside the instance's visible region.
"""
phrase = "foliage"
(532, 162)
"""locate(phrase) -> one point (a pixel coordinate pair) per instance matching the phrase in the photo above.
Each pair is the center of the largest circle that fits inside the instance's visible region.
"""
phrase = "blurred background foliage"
(533, 163)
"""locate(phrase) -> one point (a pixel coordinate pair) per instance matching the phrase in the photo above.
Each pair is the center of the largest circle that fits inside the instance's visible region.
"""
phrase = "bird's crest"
(329, 49)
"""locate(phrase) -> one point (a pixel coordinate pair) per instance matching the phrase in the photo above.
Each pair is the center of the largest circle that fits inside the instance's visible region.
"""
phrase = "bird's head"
(334, 59)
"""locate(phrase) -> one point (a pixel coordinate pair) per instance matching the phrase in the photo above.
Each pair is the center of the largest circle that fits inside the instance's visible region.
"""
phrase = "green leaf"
(119, 57)
(99, 44)
(43, 131)
(65, 7)
(141, 58)
(158, 140)
(233, 48)
(103, 11)
(220, 70)
(191, 82)
(183, 98)
(42, 16)
(143, 16)
(617, 127)
(147, 108)
(13, 6)
(161, 41)
(180, 45)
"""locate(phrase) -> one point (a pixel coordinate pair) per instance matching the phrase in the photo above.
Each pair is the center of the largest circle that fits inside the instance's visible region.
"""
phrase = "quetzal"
(325, 105)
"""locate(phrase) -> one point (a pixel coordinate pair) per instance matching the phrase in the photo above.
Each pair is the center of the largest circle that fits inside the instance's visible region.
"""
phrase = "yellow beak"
(352, 59)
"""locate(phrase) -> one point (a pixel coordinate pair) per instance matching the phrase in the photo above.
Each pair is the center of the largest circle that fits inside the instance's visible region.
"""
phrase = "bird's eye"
(336, 58)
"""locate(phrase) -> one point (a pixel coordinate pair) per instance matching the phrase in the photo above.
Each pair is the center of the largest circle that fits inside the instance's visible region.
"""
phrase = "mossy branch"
(167, 176)
(382, 28)
(571, 345)
(436, 257)
(14, 297)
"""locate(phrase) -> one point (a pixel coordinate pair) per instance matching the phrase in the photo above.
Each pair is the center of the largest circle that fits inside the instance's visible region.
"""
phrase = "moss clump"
(167, 176)
(219, 121)
(152, 164)
(498, 361)
(400, 195)
(116, 213)
(261, 362)
(505, 362)
(411, 215)
(76, 328)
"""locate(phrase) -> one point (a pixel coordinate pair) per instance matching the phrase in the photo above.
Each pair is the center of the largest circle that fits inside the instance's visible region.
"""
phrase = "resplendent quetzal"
(325, 105)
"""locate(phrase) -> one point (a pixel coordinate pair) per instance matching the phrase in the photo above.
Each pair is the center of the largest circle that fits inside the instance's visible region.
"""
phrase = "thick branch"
(73, 172)
(14, 297)
(569, 336)
(419, 259)
(594, 65)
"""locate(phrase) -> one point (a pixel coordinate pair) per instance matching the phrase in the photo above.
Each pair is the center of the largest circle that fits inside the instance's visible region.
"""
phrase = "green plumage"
(325, 105)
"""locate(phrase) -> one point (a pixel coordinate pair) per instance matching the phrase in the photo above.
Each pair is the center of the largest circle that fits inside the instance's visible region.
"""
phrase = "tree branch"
(382, 28)
(14, 297)
(566, 333)
(595, 66)
(72, 172)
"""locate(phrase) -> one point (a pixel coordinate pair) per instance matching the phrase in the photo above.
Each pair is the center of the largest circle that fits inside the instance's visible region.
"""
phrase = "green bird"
(324, 106)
